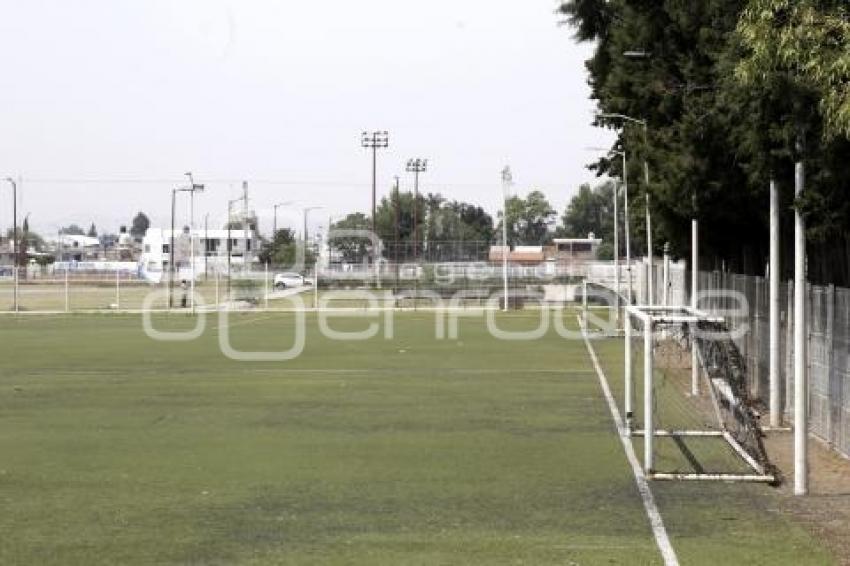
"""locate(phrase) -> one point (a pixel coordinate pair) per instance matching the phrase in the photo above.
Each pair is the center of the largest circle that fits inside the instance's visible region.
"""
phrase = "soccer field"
(117, 448)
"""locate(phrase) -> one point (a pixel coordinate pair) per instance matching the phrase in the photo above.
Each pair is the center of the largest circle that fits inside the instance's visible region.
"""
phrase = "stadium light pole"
(644, 125)
(416, 166)
(507, 182)
(375, 141)
(15, 237)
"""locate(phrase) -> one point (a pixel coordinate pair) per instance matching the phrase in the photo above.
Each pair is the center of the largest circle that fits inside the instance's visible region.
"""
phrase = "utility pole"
(375, 141)
(416, 166)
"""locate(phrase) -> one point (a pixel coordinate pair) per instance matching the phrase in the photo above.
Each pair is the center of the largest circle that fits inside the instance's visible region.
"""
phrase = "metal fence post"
(833, 414)
(789, 352)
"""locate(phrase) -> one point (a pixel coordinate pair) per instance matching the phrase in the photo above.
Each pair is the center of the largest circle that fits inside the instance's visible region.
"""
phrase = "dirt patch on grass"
(825, 512)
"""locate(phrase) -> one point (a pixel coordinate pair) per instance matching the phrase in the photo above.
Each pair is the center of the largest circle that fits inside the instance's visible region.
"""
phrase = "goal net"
(714, 435)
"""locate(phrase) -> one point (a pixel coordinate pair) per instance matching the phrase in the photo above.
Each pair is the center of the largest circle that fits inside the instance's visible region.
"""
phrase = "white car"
(289, 280)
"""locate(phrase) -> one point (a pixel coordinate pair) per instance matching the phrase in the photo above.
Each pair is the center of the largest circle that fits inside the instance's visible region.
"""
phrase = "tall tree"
(529, 219)
(139, 226)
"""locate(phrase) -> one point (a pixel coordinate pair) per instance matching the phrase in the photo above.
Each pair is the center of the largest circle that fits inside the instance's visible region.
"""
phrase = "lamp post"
(507, 182)
(625, 181)
(649, 282)
(15, 236)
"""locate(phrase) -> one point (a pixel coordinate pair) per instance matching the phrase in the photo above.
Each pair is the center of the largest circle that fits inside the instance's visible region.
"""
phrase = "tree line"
(734, 93)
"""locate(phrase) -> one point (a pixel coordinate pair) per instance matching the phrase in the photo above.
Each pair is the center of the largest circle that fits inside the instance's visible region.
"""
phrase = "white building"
(211, 252)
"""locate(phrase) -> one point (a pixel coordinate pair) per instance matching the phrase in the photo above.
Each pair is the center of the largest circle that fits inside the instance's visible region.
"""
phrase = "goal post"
(719, 366)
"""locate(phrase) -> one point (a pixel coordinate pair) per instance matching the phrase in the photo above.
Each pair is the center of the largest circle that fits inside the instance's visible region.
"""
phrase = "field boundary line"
(655, 520)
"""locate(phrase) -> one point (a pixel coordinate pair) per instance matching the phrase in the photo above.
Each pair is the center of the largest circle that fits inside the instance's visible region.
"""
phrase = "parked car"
(289, 280)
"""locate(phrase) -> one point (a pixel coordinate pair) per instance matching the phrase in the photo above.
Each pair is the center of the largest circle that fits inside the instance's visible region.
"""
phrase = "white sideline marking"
(658, 529)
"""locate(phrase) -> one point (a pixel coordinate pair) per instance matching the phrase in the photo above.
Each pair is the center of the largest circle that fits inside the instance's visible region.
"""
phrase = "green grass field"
(117, 449)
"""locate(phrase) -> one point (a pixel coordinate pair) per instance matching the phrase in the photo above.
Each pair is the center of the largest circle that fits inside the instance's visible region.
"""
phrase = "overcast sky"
(104, 105)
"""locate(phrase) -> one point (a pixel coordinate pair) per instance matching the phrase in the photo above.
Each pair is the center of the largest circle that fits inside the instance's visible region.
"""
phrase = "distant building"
(523, 255)
(211, 251)
(562, 252)
(77, 247)
(574, 250)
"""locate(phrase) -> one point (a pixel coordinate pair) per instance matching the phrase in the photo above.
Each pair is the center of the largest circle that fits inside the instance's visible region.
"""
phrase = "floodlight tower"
(416, 166)
(375, 141)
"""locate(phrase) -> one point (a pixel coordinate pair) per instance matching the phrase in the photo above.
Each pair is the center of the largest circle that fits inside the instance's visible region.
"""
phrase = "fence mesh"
(828, 346)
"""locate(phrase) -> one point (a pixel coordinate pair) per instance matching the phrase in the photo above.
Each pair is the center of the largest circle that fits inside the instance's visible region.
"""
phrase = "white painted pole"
(774, 274)
(801, 413)
(649, 282)
(616, 258)
(316, 287)
(627, 371)
(192, 245)
(17, 255)
(67, 291)
(650, 290)
(627, 222)
(266, 285)
(584, 304)
(648, 426)
(694, 296)
(665, 276)
(506, 182)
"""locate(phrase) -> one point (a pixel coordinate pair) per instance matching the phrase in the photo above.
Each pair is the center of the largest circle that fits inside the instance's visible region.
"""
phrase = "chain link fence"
(828, 346)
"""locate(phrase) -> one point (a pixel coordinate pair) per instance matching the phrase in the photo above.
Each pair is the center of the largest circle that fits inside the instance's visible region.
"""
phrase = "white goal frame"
(651, 318)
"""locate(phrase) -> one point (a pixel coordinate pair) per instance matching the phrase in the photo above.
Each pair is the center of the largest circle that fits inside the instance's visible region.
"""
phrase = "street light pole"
(507, 181)
(643, 123)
